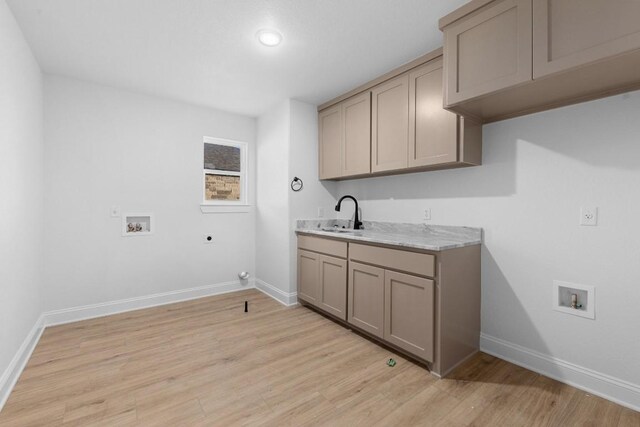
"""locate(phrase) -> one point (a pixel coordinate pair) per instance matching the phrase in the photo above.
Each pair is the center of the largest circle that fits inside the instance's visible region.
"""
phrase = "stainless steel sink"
(336, 230)
(340, 230)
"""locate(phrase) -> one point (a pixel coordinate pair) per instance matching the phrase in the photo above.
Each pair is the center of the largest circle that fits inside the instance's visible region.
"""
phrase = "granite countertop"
(418, 236)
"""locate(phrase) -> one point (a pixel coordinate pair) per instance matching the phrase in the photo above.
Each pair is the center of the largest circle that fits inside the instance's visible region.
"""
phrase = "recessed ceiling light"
(269, 37)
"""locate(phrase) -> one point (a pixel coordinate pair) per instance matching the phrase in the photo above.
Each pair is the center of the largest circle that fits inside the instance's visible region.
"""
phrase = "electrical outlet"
(208, 239)
(320, 212)
(589, 216)
(115, 211)
(427, 214)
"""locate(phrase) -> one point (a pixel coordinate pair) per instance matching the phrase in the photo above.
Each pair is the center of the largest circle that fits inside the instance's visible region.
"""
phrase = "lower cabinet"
(322, 282)
(308, 277)
(366, 298)
(333, 285)
(396, 307)
(409, 313)
(425, 304)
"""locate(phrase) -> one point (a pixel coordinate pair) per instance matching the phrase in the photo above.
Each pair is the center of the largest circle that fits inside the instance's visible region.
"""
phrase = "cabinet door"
(356, 150)
(409, 313)
(433, 131)
(366, 298)
(570, 33)
(330, 142)
(390, 125)
(488, 51)
(308, 277)
(333, 286)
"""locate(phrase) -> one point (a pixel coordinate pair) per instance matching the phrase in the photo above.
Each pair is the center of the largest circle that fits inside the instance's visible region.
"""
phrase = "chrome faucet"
(356, 222)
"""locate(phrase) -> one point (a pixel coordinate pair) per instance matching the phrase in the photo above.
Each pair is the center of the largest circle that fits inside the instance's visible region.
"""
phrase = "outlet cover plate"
(115, 212)
(589, 216)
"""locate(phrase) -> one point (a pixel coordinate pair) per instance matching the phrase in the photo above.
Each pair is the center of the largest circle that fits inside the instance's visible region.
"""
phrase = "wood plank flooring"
(207, 363)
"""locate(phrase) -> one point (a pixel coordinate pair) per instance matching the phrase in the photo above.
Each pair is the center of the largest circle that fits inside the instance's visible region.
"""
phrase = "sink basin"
(336, 230)
(339, 230)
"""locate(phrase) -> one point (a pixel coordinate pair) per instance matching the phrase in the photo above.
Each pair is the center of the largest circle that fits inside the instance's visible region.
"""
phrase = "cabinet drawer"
(394, 259)
(323, 246)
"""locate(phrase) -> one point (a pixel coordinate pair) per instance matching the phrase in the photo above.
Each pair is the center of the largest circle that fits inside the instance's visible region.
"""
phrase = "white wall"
(108, 147)
(287, 147)
(538, 170)
(21, 180)
(303, 163)
(272, 213)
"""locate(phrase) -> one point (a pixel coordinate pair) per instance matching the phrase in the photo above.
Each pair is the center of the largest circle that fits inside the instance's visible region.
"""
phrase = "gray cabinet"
(344, 138)
(322, 274)
(308, 277)
(425, 304)
(396, 124)
(333, 285)
(356, 142)
(409, 313)
(506, 58)
(572, 33)
(390, 125)
(330, 142)
(366, 298)
(488, 51)
(433, 131)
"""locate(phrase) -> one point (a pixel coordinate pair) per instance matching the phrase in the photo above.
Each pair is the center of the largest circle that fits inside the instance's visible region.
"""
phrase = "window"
(224, 172)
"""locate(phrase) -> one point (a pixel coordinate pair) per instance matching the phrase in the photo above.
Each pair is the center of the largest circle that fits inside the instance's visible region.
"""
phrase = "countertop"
(418, 236)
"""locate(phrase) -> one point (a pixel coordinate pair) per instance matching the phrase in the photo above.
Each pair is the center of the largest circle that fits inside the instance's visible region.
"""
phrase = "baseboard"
(75, 314)
(605, 386)
(281, 296)
(10, 376)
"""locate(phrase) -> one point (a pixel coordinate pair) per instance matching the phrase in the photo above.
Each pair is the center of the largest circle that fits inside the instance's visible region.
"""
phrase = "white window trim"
(226, 206)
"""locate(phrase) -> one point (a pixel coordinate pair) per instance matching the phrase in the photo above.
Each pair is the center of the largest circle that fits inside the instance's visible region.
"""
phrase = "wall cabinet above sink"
(396, 124)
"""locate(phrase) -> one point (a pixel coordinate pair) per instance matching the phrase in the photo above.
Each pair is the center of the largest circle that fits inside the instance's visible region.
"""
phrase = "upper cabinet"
(330, 142)
(396, 124)
(571, 33)
(433, 139)
(488, 51)
(506, 58)
(356, 138)
(390, 130)
(344, 138)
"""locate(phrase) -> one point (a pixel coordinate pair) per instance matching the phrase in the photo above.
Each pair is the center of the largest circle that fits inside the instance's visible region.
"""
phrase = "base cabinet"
(333, 285)
(425, 304)
(409, 313)
(322, 274)
(366, 298)
(308, 277)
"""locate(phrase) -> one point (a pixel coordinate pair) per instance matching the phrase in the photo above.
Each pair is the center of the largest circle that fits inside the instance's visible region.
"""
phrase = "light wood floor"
(206, 362)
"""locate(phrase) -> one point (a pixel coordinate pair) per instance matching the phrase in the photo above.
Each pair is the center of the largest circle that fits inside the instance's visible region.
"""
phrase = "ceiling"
(205, 52)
